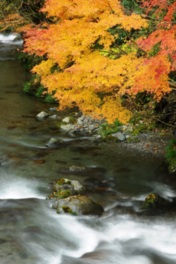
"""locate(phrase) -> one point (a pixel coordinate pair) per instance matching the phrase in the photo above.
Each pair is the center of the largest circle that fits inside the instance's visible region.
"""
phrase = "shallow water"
(30, 231)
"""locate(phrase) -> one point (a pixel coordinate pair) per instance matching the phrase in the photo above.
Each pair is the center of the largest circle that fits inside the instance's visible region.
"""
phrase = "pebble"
(51, 142)
(66, 120)
(119, 135)
(53, 116)
(42, 115)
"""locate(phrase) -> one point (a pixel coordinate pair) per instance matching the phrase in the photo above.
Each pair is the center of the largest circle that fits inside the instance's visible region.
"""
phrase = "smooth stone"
(119, 135)
(66, 120)
(80, 120)
(64, 188)
(76, 168)
(91, 128)
(42, 115)
(53, 108)
(78, 205)
(53, 116)
(67, 127)
(51, 142)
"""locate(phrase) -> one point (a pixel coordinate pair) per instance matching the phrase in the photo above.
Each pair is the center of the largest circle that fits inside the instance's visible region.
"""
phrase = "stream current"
(30, 231)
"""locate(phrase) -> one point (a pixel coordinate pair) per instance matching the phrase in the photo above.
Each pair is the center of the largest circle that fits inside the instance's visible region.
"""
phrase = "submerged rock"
(78, 205)
(53, 142)
(76, 168)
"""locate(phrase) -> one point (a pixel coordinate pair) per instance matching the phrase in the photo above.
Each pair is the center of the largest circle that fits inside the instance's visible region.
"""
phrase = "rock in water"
(78, 205)
(68, 198)
(63, 188)
(154, 202)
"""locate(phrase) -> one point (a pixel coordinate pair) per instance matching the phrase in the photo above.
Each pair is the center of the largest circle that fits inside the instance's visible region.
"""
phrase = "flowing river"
(30, 231)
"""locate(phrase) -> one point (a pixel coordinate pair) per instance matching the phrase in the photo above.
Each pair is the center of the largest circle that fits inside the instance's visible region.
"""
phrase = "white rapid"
(14, 187)
(34, 233)
(9, 43)
(11, 39)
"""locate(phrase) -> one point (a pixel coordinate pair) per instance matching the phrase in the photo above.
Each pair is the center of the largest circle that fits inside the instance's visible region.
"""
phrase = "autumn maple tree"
(159, 45)
(91, 58)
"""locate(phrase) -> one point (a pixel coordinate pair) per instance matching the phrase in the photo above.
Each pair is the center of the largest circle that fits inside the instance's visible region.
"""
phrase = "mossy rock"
(172, 167)
(78, 205)
(171, 156)
(63, 188)
(155, 201)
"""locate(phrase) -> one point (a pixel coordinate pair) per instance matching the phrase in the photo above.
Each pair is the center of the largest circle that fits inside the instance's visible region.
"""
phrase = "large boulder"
(67, 197)
(78, 205)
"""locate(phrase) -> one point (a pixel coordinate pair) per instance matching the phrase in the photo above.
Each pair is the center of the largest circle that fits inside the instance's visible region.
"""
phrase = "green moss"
(63, 181)
(171, 150)
(49, 98)
(61, 194)
(151, 201)
(139, 128)
(29, 61)
(133, 139)
(34, 87)
(171, 155)
(68, 210)
(108, 129)
(40, 91)
(155, 50)
(132, 6)
(141, 124)
(73, 119)
(110, 138)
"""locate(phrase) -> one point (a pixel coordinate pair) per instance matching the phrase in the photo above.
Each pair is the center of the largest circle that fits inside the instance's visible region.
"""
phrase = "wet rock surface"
(152, 143)
(80, 125)
(154, 200)
(68, 197)
(78, 205)
(155, 204)
(63, 188)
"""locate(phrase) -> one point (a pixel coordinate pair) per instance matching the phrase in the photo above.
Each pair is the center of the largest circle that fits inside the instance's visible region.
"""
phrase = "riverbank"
(150, 143)
(146, 143)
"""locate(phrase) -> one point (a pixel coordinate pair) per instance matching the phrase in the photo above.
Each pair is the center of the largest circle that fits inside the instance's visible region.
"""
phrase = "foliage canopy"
(96, 51)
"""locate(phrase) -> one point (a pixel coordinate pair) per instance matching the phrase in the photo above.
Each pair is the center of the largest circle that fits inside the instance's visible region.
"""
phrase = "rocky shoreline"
(64, 196)
(150, 144)
(75, 125)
